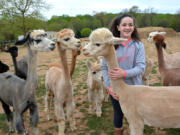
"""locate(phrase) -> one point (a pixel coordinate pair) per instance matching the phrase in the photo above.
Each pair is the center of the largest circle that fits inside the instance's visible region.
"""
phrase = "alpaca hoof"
(98, 114)
(73, 128)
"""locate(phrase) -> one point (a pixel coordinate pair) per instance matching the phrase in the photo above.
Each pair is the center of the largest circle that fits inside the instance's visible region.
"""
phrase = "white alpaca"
(58, 82)
(171, 60)
(95, 88)
(154, 106)
(148, 69)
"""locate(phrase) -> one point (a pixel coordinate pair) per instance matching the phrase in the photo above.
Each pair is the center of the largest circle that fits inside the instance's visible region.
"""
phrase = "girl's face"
(126, 27)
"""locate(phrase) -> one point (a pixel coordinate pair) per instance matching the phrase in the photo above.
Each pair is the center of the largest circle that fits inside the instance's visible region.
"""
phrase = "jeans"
(118, 114)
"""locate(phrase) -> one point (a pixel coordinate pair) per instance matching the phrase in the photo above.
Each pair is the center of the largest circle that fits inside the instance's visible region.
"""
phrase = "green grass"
(3, 123)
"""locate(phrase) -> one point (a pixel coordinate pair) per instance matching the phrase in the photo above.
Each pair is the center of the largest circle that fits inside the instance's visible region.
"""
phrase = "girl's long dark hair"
(117, 21)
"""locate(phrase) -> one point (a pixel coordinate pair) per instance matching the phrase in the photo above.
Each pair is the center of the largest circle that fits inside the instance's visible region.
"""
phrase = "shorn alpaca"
(171, 60)
(95, 88)
(170, 76)
(19, 93)
(3, 67)
(154, 106)
(20, 67)
(58, 82)
(148, 69)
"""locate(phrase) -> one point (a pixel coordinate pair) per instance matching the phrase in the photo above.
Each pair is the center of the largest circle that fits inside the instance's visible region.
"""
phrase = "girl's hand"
(116, 73)
(113, 94)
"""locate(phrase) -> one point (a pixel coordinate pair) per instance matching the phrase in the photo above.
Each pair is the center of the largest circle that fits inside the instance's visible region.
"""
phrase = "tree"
(22, 9)
(85, 32)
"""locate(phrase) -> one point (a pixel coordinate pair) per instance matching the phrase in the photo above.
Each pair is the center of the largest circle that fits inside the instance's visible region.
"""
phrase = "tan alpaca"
(58, 82)
(95, 88)
(171, 60)
(148, 69)
(154, 106)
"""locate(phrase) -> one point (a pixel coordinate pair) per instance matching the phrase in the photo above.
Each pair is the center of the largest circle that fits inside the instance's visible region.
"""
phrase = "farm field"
(88, 124)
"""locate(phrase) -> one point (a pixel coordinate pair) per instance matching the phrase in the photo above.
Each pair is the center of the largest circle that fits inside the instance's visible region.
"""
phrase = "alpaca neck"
(112, 63)
(15, 65)
(73, 63)
(161, 61)
(31, 81)
(63, 58)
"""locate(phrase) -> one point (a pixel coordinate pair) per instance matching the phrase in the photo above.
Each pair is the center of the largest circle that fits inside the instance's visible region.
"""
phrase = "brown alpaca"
(170, 77)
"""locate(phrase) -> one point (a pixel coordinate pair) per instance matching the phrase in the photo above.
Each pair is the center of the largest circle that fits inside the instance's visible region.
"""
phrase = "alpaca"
(58, 82)
(75, 53)
(154, 106)
(106, 95)
(145, 75)
(171, 60)
(95, 88)
(19, 93)
(170, 76)
(3, 67)
(20, 67)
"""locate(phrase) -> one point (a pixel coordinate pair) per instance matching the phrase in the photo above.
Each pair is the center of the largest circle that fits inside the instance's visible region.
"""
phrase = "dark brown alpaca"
(170, 77)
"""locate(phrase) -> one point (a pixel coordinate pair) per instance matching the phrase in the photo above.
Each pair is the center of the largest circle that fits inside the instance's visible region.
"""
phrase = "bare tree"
(22, 9)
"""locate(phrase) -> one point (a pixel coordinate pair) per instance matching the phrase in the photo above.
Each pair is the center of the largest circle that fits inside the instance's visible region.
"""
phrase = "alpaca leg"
(34, 117)
(136, 128)
(9, 116)
(98, 109)
(90, 99)
(59, 112)
(48, 104)
(106, 97)
(19, 124)
(70, 115)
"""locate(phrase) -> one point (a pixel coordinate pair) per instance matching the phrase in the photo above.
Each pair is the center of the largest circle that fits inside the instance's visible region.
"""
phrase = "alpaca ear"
(116, 40)
(162, 33)
(23, 40)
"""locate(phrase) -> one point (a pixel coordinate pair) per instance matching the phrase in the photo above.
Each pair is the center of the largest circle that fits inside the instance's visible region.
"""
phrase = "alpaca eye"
(97, 44)
(94, 72)
(38, 40)
(66, 39)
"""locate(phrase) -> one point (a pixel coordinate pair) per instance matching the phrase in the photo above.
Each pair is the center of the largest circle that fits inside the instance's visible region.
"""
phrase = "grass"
(92, 125)
(3, 123)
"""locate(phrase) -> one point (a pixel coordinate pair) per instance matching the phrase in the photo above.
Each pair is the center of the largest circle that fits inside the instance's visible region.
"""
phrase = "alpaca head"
(66, 39)
(3, 67)
(101, 40)
(94, 70)
(152, 34)
(37, 40)
(13, 51)
(159, 41)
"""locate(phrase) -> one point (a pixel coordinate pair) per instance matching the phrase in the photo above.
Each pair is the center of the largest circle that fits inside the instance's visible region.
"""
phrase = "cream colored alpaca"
(154, 106)
(58, 82)
(99, 61)
(145, 75)
(171, 60)
(95, 88)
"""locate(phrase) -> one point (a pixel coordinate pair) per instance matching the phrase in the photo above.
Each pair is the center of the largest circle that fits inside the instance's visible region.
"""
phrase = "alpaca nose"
(78, 45)
(84, 49)
(52, 46)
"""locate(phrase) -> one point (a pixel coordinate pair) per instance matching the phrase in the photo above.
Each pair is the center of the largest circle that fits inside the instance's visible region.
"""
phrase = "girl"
(131, 60)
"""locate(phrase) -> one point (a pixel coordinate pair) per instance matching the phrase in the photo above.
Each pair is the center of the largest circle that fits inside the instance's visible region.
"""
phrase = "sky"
(82, 7)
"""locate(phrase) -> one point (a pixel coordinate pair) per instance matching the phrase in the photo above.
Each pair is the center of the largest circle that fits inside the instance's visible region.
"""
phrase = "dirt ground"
(45, 58)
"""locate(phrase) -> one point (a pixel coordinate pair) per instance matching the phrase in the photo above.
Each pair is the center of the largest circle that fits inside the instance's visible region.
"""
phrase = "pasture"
(88, 124)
